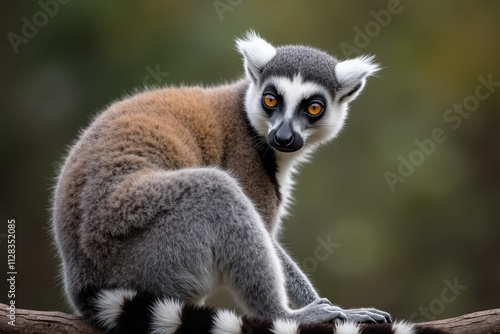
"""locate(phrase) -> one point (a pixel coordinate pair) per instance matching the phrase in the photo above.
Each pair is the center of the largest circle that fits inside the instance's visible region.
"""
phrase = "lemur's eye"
(314, 109)
(270, 100)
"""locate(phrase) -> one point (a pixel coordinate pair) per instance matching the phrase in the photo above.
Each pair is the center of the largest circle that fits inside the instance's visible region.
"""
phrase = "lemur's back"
(161, 128)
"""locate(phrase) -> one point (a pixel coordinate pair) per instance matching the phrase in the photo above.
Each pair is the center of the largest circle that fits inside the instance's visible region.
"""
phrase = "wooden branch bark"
(41, 322)
(485, 322)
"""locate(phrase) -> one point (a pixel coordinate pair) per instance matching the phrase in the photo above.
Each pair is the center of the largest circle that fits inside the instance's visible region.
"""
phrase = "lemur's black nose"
(285, 139)
(284, 136)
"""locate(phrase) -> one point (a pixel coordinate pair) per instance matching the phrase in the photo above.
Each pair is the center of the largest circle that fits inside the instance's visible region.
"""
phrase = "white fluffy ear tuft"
(351, 75)
(256, 52)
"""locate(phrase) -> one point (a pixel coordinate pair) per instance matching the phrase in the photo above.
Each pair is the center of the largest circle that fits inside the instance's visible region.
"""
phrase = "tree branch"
(41, 322)
(485, 322)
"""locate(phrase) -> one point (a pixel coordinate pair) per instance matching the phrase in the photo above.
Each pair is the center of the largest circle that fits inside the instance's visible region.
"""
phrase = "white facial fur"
(293, 92)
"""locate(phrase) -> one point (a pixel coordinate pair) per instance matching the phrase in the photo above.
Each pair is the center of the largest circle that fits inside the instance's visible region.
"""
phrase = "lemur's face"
(297, 96)
(292, 113)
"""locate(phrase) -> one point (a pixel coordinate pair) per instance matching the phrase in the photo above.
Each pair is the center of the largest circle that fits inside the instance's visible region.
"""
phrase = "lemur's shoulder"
(189, 125)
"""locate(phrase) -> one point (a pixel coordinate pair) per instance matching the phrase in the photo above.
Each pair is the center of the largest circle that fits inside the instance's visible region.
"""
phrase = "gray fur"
(178, 206)
(312, 64)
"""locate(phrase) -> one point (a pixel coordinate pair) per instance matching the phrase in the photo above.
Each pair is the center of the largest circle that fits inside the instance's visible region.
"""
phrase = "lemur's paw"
(322, 301)
(321, 310)
(367, 315)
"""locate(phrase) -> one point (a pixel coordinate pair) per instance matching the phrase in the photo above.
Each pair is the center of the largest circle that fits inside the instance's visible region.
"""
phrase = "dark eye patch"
(316, 98)
(271, 89)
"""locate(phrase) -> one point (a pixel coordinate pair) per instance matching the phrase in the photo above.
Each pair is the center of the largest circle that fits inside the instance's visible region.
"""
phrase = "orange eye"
(270, 101)
(314, 109)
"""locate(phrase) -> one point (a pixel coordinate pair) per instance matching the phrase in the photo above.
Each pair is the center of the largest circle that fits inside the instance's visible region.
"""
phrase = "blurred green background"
(398, 249)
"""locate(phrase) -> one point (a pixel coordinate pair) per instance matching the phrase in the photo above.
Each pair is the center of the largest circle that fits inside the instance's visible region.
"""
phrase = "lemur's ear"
(351, 76)
(256, 54)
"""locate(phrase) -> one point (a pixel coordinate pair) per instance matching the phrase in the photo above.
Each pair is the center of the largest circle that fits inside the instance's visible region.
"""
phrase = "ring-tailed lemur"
(174, 192)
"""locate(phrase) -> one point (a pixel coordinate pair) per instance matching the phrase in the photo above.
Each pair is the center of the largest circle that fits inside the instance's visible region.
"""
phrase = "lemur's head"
(298, 95)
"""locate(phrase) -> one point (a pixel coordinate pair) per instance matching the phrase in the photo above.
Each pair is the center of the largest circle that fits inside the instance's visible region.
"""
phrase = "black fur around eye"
(314, 107)
(270, 99)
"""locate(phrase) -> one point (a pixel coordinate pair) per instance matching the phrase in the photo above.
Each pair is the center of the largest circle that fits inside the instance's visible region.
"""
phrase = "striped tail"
(128, 312)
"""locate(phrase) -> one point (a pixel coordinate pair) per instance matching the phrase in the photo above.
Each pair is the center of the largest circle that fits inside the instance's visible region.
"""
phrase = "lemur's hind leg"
(208, 231)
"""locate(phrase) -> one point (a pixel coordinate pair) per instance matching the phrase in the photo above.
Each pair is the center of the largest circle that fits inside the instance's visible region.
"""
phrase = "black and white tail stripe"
(125, 311)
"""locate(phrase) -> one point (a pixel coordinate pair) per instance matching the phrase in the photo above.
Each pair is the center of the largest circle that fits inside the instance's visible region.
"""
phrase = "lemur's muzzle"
(284, 139)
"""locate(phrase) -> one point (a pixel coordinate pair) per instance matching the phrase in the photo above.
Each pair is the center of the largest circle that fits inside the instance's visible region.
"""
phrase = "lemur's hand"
(367, 315)
(320, 310)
